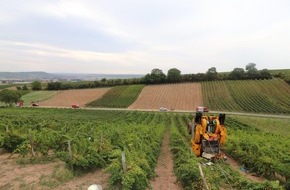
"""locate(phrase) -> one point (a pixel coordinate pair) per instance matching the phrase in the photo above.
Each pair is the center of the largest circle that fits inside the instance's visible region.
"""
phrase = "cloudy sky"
(135, 36)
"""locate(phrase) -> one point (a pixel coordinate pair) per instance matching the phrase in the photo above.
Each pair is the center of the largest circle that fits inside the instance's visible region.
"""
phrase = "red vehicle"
(19, 104)
(201, 109)
(75, 106)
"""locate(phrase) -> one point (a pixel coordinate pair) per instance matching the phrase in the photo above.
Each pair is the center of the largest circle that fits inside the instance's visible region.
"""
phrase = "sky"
(136, 36)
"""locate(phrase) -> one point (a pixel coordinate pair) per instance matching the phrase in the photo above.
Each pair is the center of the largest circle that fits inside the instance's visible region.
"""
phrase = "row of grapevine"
(96, 140)
(262, 96)
(118, 97)
(262, 152)
(219, 175)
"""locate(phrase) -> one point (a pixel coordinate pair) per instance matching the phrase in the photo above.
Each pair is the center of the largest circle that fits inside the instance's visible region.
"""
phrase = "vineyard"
(126, 144)
(260, 96)
(118, 97)
(37, 96)
(269, 159)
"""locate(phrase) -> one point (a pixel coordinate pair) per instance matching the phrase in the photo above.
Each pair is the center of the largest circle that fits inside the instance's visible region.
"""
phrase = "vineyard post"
(69, 149)
(124, 166)
(202, 176)
(7, 128)
(31, 144)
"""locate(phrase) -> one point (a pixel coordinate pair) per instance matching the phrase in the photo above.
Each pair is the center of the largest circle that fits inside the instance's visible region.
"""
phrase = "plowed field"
(68, 97)
(171, 96)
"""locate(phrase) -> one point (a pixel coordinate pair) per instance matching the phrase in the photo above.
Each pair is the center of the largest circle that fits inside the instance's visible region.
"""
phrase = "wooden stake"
(202, 176)
(31, 145)
(124, 162)
(69, 150)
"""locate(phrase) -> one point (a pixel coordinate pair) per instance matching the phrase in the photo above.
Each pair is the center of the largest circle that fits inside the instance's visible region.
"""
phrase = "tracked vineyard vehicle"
(208, 135)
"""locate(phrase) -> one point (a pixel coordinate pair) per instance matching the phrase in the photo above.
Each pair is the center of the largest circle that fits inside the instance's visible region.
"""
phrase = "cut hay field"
(171, 96)
(68, 97)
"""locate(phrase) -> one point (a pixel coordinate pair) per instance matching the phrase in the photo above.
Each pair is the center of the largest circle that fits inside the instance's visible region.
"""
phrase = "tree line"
(157, 76)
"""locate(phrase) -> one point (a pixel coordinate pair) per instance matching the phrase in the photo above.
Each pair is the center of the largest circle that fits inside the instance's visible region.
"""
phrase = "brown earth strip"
(165, 177)
(68, 97)
(171, 96)
(16, 176)
(31, 176)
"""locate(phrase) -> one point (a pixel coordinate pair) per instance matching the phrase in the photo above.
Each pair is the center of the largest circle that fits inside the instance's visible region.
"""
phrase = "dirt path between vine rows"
(164, 170)
(250, 176)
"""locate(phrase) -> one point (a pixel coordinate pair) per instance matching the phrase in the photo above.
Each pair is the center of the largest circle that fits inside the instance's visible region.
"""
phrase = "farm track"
(164, 170)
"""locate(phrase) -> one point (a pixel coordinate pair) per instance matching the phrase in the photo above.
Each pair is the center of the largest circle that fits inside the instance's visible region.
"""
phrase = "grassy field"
(37, 96)
(118, 97)
(258, 96)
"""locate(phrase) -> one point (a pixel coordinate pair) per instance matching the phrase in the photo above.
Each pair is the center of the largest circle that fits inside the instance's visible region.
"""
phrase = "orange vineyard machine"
(208, 135)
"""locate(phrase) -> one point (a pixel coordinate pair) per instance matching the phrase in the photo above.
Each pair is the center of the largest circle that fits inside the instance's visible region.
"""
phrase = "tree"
(173, 75)
(158, 76)
(211, 74)
(36, 85)
(54, 86)
(265, 74)
(9, 96)
(237, 74)
(252, 72)
(24, 87)
(251, 66)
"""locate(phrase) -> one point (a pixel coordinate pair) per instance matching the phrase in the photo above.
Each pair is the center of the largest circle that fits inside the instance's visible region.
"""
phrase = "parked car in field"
(163, 109)
(201, 109)
(75, 106)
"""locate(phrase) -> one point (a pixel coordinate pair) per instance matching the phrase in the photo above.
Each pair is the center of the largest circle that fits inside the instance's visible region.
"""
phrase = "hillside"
(184, 96)
(259, 96)
(68, 97)
(26, 75)
(118, 97)
(256, 96)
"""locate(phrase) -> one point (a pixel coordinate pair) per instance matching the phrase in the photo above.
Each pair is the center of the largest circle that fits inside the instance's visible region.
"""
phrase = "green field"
(98, 139)
(118, 97)
(259, 96)
(3, 86)
(254, 144)
(37, 96)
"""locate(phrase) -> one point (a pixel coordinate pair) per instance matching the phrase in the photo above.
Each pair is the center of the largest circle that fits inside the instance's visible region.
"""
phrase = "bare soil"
(29, 176)
(68, 97)
(16, 176)
(171, 96)
(164, 170)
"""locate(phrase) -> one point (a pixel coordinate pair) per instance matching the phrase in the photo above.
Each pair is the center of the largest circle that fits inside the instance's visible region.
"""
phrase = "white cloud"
(190, 35)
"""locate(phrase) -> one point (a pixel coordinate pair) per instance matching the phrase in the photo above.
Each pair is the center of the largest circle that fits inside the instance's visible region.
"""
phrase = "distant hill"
(26, 76)
(38, 75)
